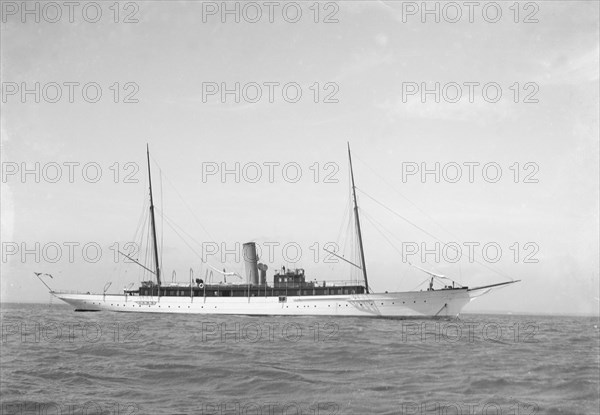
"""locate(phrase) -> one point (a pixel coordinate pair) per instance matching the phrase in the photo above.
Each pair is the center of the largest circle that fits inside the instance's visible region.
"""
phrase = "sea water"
(57, 361)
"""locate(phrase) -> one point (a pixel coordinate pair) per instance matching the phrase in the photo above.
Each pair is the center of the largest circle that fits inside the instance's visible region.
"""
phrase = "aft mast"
(360, 243)
(153, 222)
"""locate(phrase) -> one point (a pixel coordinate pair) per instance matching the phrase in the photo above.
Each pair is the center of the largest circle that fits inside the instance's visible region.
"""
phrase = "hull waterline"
(413, 304)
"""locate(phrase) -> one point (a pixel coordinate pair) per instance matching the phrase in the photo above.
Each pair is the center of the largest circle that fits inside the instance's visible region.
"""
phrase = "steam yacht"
(291, 292)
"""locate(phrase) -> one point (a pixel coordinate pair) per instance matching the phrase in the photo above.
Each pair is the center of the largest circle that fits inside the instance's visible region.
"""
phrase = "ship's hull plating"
(412, 304)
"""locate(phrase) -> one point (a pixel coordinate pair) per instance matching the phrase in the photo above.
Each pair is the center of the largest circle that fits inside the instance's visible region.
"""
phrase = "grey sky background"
(369, 53)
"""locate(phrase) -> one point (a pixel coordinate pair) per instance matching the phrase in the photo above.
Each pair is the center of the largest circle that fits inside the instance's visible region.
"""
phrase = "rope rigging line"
(356, 250)
(406, 198)
(355, 253)
(430, 234)
(119, 267)
(138, 239)
(171, 223)
(421, 283)
(141, 221)
(147, 258)
(344, 221)
(349, 237)
(377, 228)
(162, 219)
(184, 202)
(372, 221)
(173, 226)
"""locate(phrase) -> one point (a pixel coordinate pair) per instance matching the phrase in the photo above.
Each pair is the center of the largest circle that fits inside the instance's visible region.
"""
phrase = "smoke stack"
(263, 273)
(251, 260)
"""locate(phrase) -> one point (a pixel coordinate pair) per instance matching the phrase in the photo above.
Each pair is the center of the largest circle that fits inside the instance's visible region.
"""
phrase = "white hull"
(413, 304)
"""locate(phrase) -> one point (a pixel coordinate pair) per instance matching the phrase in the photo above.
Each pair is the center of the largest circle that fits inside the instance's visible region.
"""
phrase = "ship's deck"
(238, 290)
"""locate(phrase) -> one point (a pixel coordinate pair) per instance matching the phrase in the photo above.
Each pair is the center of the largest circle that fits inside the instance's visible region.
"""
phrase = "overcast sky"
(365, 64)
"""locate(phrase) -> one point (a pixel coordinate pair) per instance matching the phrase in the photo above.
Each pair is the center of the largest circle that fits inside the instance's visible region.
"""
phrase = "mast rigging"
(153, 220)
(360, 243)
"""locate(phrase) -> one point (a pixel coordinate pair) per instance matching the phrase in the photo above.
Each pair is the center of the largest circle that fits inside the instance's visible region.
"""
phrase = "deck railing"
(307, 284)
